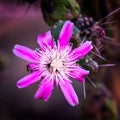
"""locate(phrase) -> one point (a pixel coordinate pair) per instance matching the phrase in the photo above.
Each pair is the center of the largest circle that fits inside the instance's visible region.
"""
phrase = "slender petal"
(45, 90)
(45, 40)
(66, 33)
(78, 73)
(69, 93)
(28, 80)
(82, 50)
(24, 52)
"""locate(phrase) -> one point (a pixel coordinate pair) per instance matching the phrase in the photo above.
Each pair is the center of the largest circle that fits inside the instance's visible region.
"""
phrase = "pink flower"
(54, 63)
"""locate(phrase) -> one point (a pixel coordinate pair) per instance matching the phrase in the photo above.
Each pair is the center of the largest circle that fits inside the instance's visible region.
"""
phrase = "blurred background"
(20, 22)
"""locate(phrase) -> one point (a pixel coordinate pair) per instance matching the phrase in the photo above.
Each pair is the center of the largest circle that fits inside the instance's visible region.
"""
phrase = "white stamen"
(55, 62)
(56, 65)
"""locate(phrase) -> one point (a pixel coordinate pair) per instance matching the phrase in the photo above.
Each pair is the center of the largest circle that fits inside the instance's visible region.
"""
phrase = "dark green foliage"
(88, 63)
(54, 10)
(56, 29)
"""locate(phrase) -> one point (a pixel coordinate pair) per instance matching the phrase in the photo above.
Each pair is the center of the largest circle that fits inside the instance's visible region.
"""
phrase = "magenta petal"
(28, 80)
(45, 90)
(82, 50)
(45, 40)
(24, 52)
(78, 73)
(66, 33)
(69, 93)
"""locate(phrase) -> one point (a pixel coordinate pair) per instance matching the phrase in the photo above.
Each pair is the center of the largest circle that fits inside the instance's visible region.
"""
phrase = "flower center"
(56, 65)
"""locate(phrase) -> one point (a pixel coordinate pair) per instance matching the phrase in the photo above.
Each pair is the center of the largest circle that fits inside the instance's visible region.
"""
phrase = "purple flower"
(54, 64)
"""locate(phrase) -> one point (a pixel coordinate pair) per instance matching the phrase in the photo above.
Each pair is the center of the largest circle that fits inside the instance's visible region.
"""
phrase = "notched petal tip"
(14, 48)
(44, 91)
(19, 85)
(89, 43)
(24, 53)
(82, 50)
(69, 93)
(28, 80)
(45, 40)
(79, 74)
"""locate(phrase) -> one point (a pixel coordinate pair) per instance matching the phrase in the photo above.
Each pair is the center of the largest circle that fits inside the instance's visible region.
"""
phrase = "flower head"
(54, 64)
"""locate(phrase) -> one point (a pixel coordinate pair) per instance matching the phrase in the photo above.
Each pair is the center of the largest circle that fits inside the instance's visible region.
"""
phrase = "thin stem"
(96, 49)
(91, 82)
(107, 23)
(84, 90)
(110, 40)
(100, 48)
(98, 55)
(107, 65)
(84, 39)
(110, 15)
